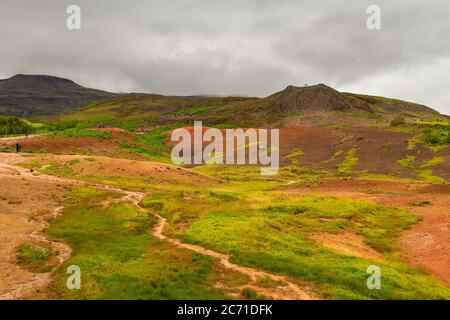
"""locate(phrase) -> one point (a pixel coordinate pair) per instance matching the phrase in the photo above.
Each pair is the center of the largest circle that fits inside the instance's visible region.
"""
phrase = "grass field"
(259, 222)
(270, 231)
(255, 221)
(118, 257)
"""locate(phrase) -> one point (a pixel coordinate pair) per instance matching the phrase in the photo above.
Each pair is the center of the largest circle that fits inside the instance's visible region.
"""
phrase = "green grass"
(270, 232)
(13, 126)
(71, 122)
(35, 258)
(434, 135)
(130, 125)
(248, 217)
(119, 259)
(83, 133)
(438, 137)
(196, 110)
(334, 157)
(294, 155)
(349, 162)
(385, 177)
(433, 162)
(423, 172)
(427, 176)
(407, 162)
(152, 143)
(370, 116)
(434, 123)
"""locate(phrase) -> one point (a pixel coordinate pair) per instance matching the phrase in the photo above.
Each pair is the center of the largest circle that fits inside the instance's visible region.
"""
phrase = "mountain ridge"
(35, 95)
(44, 95)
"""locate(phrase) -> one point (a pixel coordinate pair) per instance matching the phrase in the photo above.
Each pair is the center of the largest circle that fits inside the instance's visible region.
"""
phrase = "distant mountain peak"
(28, 95)
(20, 80)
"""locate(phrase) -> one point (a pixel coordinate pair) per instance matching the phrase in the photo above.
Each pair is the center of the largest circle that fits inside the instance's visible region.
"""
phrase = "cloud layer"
(245, 47)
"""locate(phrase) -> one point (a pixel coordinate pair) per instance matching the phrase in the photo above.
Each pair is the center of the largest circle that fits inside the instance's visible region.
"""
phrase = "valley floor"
(164, 232)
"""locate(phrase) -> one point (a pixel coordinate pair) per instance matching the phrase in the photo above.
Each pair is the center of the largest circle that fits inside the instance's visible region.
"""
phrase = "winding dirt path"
(285, 289)
(61, 249)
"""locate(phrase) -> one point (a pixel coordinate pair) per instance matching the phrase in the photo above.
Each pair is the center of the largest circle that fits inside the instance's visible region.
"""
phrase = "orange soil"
(427, 243)
(114, 167)
(348, 243)
(24, 201)
(82, 145)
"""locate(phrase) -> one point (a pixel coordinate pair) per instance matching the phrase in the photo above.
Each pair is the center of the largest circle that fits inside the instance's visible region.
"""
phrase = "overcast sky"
(245, 47)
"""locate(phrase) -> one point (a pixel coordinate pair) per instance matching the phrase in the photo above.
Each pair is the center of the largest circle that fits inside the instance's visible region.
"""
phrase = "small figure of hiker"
(18, 147)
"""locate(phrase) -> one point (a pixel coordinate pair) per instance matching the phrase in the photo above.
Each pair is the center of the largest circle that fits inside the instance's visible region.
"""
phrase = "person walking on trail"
(18, 147)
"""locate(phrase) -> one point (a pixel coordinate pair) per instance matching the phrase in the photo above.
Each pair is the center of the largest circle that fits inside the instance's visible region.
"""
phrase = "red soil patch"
(427, 243)
(378, 150)
(317, 144)
(114, 167)
(21, 198)
(79, 145)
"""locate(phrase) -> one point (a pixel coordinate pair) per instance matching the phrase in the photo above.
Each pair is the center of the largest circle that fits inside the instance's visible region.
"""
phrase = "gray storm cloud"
(246, 47)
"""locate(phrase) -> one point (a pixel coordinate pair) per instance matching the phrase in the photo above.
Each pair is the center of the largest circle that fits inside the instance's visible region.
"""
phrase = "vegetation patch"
(119, 258)
(432, 163)
(275, 238)
(423, 172)
(427, 176)
(36, 258)
(294, 155)
(349, 162)
(196, 110)
(334, 157)
(13, 125)
(83, 133)
(152, 143)
(407, 162)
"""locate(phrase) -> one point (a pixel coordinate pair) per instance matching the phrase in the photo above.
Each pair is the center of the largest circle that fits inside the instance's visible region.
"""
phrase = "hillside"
(28, 96)
(352, 189)
(293, 103)
(383, 104)
(35, 95)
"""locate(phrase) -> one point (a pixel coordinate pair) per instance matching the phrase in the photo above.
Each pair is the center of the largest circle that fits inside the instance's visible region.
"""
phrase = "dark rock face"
(315, 98)
(35, 95)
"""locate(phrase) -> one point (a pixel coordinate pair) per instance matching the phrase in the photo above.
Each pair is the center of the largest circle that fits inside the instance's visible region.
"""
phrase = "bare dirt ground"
(25, 203)
(378, 150)
(13, 140)
(113, 167)
(427, 243)
(347, 242)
